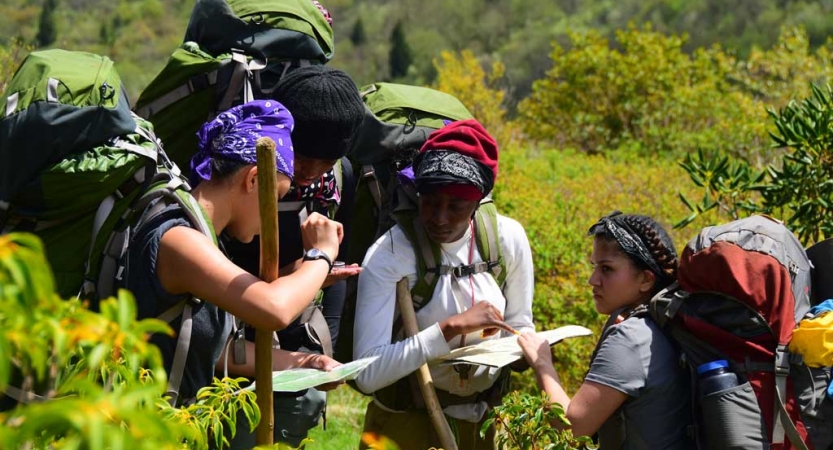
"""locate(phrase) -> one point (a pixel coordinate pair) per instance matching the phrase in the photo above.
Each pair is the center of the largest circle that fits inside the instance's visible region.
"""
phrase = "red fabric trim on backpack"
(754, 278)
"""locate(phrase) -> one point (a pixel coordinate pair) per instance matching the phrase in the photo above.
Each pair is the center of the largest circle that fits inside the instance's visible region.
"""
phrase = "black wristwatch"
(314, 254)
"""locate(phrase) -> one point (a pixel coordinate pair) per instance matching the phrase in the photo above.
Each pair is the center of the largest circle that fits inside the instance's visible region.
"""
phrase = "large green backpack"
(83, 173)
(399, 118)
(69, 142)
(80, 91)
(234, 51)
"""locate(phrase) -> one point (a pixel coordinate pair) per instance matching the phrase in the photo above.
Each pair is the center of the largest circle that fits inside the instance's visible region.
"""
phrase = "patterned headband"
(441, 167)
(628, 240)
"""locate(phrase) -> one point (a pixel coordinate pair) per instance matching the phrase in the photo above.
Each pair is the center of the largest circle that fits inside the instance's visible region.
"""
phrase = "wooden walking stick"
(268, 203)
(426, 383)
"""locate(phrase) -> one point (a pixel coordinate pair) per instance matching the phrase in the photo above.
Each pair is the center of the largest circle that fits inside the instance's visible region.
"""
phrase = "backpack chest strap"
(429, 254)
(465, 269)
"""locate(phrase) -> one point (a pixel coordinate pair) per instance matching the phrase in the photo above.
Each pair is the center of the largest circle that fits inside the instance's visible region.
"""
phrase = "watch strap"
(315, 254)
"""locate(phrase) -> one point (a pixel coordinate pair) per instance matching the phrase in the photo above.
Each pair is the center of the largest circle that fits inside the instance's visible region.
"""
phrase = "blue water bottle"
(715, 376)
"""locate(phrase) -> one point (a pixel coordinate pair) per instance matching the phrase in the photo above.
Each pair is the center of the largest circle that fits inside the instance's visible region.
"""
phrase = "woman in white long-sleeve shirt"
(456, 168)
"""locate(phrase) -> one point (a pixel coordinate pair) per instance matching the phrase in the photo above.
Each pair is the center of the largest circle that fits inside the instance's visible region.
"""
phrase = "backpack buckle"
(470, 269)
(463, 271)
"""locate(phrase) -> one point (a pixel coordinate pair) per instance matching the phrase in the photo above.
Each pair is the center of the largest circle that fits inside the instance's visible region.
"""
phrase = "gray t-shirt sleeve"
(619, 363)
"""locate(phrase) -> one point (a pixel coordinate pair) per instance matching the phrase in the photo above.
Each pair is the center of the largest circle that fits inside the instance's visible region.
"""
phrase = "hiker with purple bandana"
(232, 135)
(169, 261)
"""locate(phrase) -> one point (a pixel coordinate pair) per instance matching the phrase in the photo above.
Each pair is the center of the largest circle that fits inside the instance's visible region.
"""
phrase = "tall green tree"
(357, 35)
(46, 26)
(400, 56)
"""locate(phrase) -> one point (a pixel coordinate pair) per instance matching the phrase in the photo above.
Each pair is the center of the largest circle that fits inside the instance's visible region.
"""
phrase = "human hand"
(536, 350)
(322, 233)
(482, 316)
(325, 363)
(341, 273)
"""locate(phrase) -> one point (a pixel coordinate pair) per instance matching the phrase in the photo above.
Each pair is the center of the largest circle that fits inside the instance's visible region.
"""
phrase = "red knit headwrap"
(466, 137)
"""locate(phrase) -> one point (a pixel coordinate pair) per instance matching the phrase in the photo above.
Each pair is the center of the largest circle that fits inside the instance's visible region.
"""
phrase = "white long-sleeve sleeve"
(389, 260)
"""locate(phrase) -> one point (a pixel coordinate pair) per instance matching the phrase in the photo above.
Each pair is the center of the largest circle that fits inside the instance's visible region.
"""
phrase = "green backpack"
(399, 118)
(80, 91)
(234, 51)
(87, 172)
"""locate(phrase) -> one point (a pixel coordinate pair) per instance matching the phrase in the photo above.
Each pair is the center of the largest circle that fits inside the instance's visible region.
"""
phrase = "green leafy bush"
(796, 189)
(462, 76)
(644, 92)
(93, 380)
(526, 422)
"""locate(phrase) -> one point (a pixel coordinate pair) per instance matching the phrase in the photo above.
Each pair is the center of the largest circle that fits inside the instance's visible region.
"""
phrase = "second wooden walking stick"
(426, 383)
(268, 203)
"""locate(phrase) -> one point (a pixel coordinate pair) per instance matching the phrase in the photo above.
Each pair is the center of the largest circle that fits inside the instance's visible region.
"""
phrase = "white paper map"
(299, 379)
(503, 351)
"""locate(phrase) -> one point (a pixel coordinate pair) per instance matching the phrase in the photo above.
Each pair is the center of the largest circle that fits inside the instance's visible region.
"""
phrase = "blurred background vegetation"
(679, 110)
(379, 40)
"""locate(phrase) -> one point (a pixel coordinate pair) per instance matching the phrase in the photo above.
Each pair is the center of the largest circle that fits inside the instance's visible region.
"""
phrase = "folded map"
(293, 380)
(503, 351)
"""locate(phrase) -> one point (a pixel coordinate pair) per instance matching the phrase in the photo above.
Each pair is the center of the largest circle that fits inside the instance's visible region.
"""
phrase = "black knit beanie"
(327, 109)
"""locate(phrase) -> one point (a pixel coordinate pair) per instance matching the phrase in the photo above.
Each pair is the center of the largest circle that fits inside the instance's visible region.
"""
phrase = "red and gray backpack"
(743, 287)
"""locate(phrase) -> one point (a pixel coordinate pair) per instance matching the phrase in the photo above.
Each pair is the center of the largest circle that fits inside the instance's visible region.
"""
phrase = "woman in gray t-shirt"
(635, 395)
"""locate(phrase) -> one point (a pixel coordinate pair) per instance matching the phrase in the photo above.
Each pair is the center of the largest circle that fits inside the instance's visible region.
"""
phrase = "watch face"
(314, 254)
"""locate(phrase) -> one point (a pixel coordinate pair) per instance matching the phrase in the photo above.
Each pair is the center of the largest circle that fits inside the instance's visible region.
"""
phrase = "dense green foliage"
(519, 33)
(644, 92)
(524, 421)
(796, 189)
(139, 35)
(95, 379)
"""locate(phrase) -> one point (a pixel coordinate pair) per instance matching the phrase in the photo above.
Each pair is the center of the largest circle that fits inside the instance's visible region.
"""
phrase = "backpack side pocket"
(732, 419)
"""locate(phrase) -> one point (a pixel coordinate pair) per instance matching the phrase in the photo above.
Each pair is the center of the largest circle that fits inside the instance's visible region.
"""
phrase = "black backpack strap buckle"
(470, 269)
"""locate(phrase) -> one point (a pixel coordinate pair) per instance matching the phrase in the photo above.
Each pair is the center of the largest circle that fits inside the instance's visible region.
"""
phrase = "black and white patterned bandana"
(436, 168)
(629, 240)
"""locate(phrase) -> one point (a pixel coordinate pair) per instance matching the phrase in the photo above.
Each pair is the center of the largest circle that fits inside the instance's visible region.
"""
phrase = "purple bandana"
(233, 136)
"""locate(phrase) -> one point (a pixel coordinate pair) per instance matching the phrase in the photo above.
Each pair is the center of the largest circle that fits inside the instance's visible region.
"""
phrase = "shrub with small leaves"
(532, 422)
(92, 380)
(462, 76)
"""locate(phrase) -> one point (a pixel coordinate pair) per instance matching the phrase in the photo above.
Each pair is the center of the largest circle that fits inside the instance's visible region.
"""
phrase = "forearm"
(398, 360)
(290, 268)
(281, 360)
(287, 297)
(549, 382)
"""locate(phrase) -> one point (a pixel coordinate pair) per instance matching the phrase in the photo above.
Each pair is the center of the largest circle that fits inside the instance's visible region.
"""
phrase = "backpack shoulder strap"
(488, 241)
(428, 255)
(169, 189)
(197, 217)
